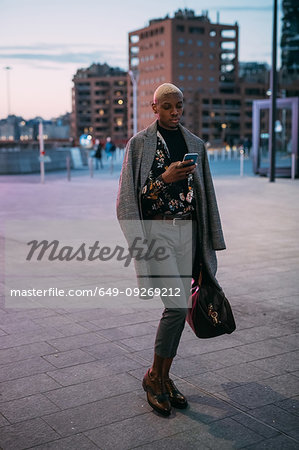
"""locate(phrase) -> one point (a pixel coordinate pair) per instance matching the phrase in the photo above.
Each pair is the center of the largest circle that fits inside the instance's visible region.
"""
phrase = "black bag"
(209, 314)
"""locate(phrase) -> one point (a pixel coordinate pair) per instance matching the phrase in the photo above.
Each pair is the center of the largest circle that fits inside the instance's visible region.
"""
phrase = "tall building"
(99, 103)
(290, 36)
(201, 58)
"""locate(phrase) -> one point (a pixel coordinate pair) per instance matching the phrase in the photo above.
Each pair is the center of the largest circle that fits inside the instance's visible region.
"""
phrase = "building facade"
(99, 103)
(201, 58)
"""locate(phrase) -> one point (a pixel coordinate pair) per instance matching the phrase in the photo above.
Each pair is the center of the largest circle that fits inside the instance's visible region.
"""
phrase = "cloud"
(55, 54)
(242, 8)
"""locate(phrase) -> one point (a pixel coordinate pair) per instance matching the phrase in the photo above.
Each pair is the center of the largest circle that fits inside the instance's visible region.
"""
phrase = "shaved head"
(166, 89)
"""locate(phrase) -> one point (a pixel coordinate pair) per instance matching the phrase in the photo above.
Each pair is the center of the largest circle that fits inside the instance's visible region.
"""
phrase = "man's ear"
(154, 108)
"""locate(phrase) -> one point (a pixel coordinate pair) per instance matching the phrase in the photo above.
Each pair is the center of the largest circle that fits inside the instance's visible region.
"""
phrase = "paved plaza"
(71, 378)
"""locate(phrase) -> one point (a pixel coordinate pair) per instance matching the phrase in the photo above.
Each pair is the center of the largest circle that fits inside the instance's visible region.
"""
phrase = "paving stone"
(234, 432)
(77, 442)
(120, 333)
(26, 434)
(105, 350)
(24, 368)
(207, 409)
(276, 417)
(193, 365)
(104, 387)
(266, 348)
(290, 404)
(16, 340)
(260, 333)
(25, 352)
(276, 443)
(243, 373)
(96, 414)
(251, 395)
(139, 342)
(279, 364)
(68, 358)
(203, 346)
(3, 421)
(210, 381)
(27, 408)
(285, 385)
(23, 387)
(67, 376)
(74, 342)
(139, 430)
(256, 425)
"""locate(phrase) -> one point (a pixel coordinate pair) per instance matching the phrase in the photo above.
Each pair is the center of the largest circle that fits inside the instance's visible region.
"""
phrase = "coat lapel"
(150, 146)
(193, 147)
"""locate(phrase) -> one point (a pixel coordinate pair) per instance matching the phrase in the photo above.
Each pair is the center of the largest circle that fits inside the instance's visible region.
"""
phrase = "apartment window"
(196, 30)
(199, 43)
(190, 65)
(181, 77)
(190, 77)
(181, 41)
(205, 101)
(181, 65)
(190, 41)
(211, 56)
(212, 44)
(212, 67)
(199, 66)
(180, 28)
(212, 33)
(199, 78)
(181, 53)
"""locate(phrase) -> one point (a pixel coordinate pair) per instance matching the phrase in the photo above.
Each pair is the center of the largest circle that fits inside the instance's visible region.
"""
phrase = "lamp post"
(273, 84)
(8, 69)
(134, 78)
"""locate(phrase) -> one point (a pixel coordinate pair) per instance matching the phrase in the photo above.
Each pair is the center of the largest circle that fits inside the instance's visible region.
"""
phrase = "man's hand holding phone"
(180, 170)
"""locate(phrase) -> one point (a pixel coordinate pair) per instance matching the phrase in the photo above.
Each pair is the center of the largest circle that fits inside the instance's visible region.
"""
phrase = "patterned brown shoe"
(156, 395)
(176, 398)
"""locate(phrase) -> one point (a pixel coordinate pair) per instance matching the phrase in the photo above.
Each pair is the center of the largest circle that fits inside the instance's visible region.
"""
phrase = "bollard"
(68, 167)
(229, 153)
(90, 160)
(241, 163)
(293, 169)
(223, 154)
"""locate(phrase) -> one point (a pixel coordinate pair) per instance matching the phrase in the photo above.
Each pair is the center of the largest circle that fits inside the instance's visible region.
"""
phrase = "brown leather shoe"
(176, 398)
(156, 395)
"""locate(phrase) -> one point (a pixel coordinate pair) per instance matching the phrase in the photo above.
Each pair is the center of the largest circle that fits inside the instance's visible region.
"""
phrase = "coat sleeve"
(214, 216)
(128, 212)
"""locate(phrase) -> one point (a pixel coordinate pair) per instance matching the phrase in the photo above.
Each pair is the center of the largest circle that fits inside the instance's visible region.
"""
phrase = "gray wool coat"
(137, 163)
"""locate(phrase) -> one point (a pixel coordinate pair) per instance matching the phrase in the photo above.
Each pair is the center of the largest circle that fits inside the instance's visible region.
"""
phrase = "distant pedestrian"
(98, 154)
(110, 152)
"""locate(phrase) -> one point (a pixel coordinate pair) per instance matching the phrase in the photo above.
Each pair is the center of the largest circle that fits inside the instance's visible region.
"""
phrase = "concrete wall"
(15, 160)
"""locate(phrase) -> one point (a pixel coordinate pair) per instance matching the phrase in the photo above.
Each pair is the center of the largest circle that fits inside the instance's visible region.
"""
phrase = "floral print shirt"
(158, 197)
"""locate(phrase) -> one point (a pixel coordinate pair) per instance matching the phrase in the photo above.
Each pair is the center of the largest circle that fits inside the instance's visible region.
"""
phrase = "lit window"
(181, 77)
(120, 101)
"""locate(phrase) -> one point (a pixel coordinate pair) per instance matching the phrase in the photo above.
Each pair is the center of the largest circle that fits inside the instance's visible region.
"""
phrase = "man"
(163, 195)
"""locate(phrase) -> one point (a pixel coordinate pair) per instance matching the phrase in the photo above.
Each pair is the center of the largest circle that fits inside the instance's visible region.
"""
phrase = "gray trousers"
(173, 276)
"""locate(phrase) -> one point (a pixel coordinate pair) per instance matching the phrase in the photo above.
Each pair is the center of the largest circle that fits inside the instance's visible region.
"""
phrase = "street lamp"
(273, 83)
(7, 68)
(134, 75)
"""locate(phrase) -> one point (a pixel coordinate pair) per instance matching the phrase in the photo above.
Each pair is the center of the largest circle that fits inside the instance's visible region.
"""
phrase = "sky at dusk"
(45, 42)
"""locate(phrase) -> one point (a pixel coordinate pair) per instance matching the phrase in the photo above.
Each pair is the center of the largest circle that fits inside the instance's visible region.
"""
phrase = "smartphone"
(189, 156)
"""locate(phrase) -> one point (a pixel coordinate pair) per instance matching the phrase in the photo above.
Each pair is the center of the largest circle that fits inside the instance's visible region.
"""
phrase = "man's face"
(169, 109)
